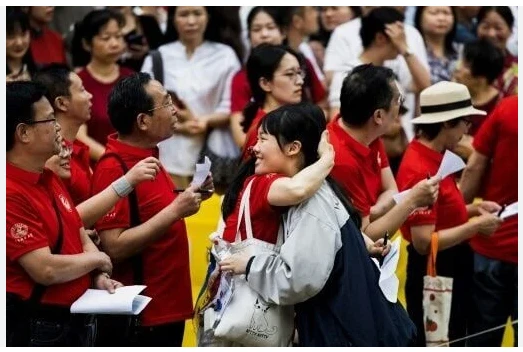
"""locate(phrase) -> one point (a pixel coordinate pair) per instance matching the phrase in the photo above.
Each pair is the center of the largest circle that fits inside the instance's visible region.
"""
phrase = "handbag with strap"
(246, 319)
(437, 300)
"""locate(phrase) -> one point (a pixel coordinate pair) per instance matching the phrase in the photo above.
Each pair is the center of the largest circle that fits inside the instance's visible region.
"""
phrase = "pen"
(207, 191)
(385, 238)
(501, 210)
(428, 178)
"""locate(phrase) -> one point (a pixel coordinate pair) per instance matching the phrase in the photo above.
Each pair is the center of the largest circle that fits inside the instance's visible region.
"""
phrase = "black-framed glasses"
(40, 121)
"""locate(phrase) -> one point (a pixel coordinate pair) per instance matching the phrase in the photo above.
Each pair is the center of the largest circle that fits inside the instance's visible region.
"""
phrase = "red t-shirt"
(497, 139)
(252, 134)
(99, 126)
(240, 91)
(265, 218)
(79, 185)
(47, 47)
(31, 224)
(166, 261)
(449, 210)
(357, 168)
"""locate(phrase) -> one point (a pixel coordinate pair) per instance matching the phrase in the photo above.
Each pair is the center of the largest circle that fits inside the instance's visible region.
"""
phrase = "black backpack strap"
(136, 260)
(156, 57)
(38, 289)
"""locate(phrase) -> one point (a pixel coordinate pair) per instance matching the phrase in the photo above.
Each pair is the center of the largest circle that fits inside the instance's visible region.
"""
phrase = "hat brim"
(447, 115)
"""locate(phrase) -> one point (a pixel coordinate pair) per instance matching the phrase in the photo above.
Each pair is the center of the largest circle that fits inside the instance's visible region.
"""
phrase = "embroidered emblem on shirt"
(19, 231)
(378, 158)
(65, 202)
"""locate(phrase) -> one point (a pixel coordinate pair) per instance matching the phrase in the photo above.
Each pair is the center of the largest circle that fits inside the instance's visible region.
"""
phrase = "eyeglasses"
(169, 104)
(40, 121)
(293, 75)
(401, 99)
(467, 122)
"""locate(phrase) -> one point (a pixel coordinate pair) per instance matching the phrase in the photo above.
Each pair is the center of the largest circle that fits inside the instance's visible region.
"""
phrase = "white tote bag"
(247, 319)
(437, 300)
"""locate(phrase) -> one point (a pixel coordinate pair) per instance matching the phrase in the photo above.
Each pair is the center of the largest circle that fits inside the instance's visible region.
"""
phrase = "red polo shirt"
(99, 126)
(47, 47)
(449, 210)
(357, 168)
(166, 261)
(79, 185)
(497, 139)
(252, 134)
(265, 218)
(31, 224)
(240, 91)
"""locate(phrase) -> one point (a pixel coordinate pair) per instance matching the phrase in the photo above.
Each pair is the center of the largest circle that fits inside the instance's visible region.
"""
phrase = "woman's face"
(287, 81)
(332, 16)
(109, 44)
(263, 29)
(494, 28)
(269, 157)
(17, 44)
(61, 164)
(437, 20)
(190, 22)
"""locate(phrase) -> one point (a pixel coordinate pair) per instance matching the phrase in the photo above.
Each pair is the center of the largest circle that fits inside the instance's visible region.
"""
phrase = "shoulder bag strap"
(136, 260)
(156, 57)
(245, 211)
(431, 258)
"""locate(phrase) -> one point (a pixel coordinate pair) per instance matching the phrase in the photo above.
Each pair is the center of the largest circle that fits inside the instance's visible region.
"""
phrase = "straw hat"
(445, 101)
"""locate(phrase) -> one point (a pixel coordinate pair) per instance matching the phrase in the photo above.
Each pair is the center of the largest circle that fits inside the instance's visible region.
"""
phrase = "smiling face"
(269, 157)
(17, 44)
(494, 28)
(61, 164)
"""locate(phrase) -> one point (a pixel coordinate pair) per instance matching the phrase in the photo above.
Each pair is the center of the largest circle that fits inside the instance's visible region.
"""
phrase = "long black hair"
(449, 38)
(18, 21)
(303, 122)
(262, 63)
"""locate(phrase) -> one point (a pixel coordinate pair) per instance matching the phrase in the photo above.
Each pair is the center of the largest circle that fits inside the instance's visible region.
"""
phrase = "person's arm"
(420, 74)
(485, 224)
(96, 150)
(237, 130)
(385, 202)
(98, 205)
(424, 193)
(47, 269)
(472, 176)
(287, 191)
(121, 243)
(292, 276)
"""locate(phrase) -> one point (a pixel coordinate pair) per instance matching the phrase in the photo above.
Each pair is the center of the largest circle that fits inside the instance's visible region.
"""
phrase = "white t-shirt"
(306, 50)
(203, 82)
(345, 46)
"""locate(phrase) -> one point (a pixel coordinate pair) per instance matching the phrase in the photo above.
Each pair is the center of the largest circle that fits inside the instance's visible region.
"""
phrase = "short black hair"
(504, 11)
(56, 80)
(20, 97)
(128, 99)
(365, 89)
(485, 59)
(375, 23)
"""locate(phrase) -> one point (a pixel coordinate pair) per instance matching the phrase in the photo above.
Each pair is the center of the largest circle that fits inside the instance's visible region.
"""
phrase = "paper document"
(510, 210)
(450, 164)
(126, 300)
(389, 282)
(202, 171)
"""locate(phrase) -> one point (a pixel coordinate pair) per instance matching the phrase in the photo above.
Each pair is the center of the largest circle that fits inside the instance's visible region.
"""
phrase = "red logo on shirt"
(19, 231)
(65, 202)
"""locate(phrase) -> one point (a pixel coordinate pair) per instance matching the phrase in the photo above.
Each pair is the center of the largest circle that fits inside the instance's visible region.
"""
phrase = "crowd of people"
(323, 114)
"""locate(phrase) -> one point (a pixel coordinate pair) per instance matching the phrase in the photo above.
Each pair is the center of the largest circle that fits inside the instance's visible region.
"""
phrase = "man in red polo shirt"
(143, 113)
(50, 260)
(72, 105)
(47, 46)
(370, 102)
(492, 173)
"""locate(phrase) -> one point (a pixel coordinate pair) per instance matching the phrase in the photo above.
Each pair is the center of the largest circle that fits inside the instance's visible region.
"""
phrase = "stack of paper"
(202, 171)
(126, 301)
(389, 282)
(510, 210)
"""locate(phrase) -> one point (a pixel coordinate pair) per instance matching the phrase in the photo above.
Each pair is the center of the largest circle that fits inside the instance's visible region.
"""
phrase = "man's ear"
(61, 103)
(23, 133)
(378, 116)
(293, 148)
(143, 121)
(380, 38)
(265, 84)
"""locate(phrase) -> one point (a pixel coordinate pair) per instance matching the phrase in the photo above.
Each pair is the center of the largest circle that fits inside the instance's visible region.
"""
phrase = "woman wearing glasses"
(445, 112)
(198, 66)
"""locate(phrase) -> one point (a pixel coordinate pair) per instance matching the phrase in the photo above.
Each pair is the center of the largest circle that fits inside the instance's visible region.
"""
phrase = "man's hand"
(144, 170)
(396, 33)
(207, 187)
(188, 202)
(102, 281)
(425, 192)
(377, 249)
